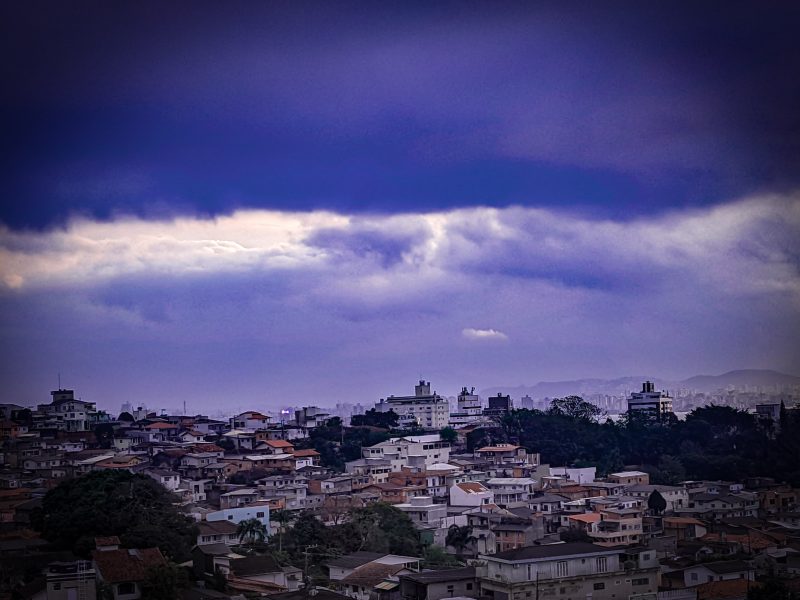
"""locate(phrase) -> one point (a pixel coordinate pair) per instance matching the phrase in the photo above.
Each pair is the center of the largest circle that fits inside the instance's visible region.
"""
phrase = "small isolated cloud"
(483, 334)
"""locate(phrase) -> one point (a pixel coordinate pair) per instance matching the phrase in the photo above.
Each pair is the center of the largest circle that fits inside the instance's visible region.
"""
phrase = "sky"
(255, 204)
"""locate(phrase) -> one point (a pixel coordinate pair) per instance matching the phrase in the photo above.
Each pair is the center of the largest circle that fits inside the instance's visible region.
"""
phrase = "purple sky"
(255, 204)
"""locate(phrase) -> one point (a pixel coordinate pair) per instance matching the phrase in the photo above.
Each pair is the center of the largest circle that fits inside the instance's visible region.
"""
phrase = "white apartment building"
(67, 413)
(572, 570)
(512, 492)
(470, 493)
(649, 401)
(416, 451)
(430, 410)
(470, 409)
(422, 510)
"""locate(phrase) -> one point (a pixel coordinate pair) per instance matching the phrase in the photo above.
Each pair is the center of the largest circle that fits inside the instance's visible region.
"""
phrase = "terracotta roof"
(308, 452)
(279, 444)
(160, 426)
(117, 566)
(472, 487)
(720, 590)
(216, 527)
(111, 540)
(586, 517)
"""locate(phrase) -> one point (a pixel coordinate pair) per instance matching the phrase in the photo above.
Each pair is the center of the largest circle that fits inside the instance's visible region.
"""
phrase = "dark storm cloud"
(198, 109)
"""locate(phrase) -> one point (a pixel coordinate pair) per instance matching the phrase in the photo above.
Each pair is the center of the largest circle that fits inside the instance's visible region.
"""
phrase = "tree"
(380, 527)
(136, 508)
(449, 435)
(126, 416)
(282, 518)
(163, 582)
(374, 418)
(436, 556)
(459, 537)
(656, 502)
(575, 407)
(574, 534)
(251, 531)
(104, 434)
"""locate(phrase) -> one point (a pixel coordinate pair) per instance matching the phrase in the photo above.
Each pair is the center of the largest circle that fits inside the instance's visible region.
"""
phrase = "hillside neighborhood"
(424, 513)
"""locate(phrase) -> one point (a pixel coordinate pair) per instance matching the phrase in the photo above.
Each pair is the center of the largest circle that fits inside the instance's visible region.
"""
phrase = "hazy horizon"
(317, 203)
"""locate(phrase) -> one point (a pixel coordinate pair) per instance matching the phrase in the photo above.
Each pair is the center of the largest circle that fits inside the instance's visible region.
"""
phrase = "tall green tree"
(656, 502)
(136, 508)
(460, 537)
(251, 531)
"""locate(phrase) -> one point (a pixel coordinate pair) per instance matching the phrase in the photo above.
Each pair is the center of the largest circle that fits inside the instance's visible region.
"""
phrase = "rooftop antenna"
(59, 381)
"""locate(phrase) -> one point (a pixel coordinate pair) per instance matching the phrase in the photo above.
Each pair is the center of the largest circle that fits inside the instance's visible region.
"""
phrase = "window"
(602, 564)
(259, 515)
(469, 586)
(694, 577)
(640, 581)
(599, 586)
(56, 586)
(125, 588)
(562, 568)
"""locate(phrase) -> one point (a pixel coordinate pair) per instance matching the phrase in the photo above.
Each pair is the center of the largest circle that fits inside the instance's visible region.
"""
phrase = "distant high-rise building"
(498, 405)
(470, 409)
(526, 402)
(655, 404)
(431, 410)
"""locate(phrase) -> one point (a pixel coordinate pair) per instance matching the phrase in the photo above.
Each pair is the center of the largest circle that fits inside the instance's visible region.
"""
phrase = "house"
(217, 532)
(71, 580)
(124, 570)
(169, 479)
(422, 510)
(676, 496)
(237, 498)
(510, 492)
(260, 574)
(683, 528)
(411, 451)
(444, 583)
(235, 515)
(470, 493)
(718, 571)
(249, 420)
(361, 583)
(630, 478)
(570, 570)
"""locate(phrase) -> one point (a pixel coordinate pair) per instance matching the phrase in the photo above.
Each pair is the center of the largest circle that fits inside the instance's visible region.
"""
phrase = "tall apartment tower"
(655, 404)
(430, 409)
(470, 409)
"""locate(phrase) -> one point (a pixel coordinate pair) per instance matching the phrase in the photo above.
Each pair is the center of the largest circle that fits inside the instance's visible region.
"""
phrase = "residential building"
(511, 492)
(430, 410)
(650, 402)
(71, 580)
(470, 409)
(630, 478)
(423, 511)
(413, 451)
(124, 570)
(470, 493)
(571, 570)
(442, 583)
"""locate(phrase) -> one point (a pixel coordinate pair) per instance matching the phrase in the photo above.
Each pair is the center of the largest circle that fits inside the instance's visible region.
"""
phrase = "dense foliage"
(135, 508)
(376, 528)
(714, 442)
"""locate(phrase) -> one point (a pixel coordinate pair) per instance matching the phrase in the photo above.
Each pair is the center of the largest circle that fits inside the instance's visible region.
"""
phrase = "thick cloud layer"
(267, 308)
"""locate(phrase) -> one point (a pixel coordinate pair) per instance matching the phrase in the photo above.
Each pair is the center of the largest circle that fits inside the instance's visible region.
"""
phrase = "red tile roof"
(117, 566)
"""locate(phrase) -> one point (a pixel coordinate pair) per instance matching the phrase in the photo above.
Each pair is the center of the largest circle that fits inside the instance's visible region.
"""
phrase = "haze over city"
(321, 203)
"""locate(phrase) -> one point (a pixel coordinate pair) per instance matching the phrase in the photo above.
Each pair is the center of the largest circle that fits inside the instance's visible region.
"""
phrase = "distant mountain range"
(623, 385)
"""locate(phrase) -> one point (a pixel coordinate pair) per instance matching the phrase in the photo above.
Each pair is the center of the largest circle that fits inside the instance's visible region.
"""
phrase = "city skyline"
(312, 204)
